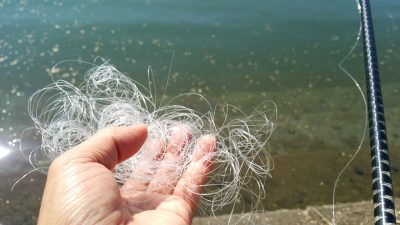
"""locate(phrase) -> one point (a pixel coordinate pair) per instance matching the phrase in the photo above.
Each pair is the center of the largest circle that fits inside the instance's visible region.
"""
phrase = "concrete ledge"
(359, 213)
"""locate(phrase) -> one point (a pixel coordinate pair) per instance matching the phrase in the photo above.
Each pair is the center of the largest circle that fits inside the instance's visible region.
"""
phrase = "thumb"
(109, 146)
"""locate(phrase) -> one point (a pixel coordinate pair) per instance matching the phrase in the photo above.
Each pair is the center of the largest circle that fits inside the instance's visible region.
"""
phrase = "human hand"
(81, 189)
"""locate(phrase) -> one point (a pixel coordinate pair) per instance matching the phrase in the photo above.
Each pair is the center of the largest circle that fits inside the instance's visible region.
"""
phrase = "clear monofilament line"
(65, 115)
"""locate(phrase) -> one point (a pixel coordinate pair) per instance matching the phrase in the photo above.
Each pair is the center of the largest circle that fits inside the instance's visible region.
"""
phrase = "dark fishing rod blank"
(384, 210)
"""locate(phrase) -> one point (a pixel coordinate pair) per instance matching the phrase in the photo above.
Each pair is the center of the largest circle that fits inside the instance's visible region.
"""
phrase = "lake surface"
(238, 52)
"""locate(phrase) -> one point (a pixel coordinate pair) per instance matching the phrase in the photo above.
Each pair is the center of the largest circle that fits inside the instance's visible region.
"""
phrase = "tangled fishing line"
(66, 115)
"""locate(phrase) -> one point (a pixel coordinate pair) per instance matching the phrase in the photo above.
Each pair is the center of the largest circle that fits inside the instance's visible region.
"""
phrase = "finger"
(169, 166)
(146, 167)
(109, 146)
(189, 187)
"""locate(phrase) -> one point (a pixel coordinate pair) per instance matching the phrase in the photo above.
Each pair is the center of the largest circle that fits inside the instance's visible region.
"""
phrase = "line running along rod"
(384, 210)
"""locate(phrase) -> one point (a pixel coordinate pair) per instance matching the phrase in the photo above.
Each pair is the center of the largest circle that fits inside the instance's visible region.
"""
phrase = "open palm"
(81, 189)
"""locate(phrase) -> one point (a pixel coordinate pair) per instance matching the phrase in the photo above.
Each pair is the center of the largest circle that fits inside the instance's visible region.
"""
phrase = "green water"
(240, 52)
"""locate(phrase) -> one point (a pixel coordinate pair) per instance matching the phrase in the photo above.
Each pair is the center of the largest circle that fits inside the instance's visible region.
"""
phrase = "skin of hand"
(81, 189)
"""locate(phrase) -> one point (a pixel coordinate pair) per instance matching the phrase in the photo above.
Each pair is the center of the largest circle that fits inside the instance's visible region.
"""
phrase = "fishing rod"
(384, 210)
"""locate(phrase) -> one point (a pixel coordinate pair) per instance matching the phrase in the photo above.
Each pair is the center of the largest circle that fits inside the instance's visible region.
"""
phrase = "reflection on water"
(4, 151)
(229, 51)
